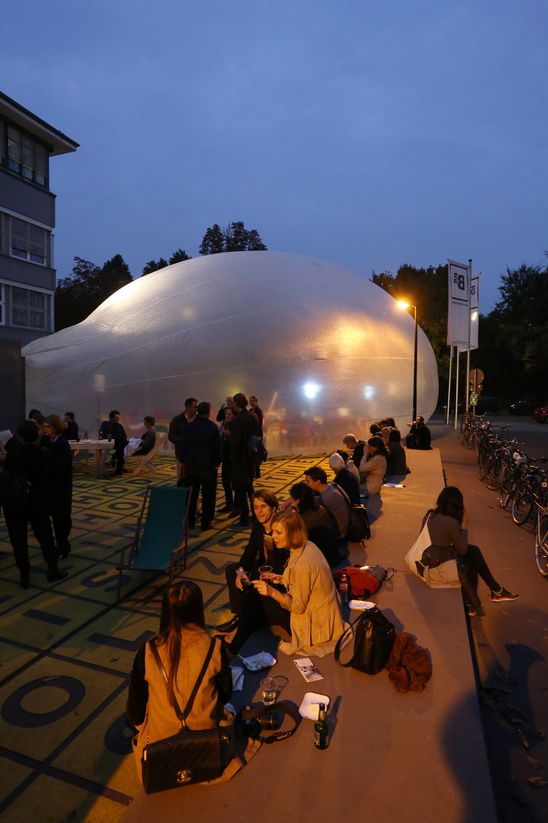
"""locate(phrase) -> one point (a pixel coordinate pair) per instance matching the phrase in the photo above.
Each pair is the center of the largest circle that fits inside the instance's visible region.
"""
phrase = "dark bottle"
(321, 732)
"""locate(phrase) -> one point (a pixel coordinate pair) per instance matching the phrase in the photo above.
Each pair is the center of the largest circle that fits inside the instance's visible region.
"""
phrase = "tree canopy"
(234, 237)
(78, 295)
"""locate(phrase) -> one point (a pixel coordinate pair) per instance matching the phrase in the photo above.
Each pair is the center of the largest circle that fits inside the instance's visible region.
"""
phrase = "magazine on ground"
(308, 669)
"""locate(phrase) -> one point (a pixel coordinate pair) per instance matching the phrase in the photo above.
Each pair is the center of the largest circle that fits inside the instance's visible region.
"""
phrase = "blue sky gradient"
(363, 133)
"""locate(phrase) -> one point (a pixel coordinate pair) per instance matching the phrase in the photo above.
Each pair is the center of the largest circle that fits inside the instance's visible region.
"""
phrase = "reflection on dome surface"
(325, 350)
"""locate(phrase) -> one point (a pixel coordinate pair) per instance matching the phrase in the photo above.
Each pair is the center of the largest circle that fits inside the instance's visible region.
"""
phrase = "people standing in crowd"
(257, 411)
(317, 521)
(183, 646)
(227, 404)
(332, 497)
(148, 438)
(200, 451)
(175, 433)
(71, 431)
(24, 501)
(357, 447)
(344, 478)
(419, 436)
(447, 528)
(58, 481)
(246, 606)
(397, 462)
(112, 429)
(244, 426)
(309, 595)
(226, 460)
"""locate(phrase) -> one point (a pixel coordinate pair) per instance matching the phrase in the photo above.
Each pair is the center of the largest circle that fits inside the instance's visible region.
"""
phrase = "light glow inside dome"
(258, 322)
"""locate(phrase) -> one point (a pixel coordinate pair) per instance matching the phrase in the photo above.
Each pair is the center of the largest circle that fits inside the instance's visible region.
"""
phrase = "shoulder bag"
(188, 756)
(374, 637)
(434, 565)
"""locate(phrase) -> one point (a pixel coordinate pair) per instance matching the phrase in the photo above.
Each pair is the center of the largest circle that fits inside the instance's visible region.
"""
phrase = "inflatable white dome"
(325, 350)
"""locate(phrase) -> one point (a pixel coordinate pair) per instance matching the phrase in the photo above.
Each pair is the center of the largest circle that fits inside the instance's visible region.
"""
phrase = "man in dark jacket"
(244, 426)
(25, 461)
(112, 429)
(200, 451)
(175, 433)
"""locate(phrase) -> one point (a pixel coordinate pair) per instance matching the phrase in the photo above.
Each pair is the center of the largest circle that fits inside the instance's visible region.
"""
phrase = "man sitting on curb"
(332, 498)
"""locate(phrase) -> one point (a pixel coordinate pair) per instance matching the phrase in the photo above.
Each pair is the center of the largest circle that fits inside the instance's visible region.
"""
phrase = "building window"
(29, 242)
(29, 309)
(26, 156)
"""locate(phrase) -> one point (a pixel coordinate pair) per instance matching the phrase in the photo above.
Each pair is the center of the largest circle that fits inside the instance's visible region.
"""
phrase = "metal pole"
(415, 353)
(448, 409)
(469, 333)
(457, 387)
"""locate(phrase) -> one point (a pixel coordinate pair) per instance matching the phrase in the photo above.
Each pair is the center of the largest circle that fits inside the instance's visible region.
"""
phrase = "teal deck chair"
(160, 543)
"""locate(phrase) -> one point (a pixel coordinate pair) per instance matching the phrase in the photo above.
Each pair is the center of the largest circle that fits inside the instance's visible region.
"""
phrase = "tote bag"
(443, 576)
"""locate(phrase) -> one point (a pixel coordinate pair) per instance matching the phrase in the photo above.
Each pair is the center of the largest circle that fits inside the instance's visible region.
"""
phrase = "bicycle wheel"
(492, 476)
(505, 497)
(541, 547)
(522, 506)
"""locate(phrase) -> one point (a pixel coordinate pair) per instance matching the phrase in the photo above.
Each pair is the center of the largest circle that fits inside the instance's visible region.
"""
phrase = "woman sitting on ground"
(317, 521)
(397, 462)
(373, 465)
(309, 596)
(183, 645)
(446, 528)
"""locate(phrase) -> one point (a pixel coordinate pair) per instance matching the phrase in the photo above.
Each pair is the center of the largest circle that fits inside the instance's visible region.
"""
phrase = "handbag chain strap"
(182, 716)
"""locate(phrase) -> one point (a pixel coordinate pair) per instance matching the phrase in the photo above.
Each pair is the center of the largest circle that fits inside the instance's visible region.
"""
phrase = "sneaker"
(503, 595)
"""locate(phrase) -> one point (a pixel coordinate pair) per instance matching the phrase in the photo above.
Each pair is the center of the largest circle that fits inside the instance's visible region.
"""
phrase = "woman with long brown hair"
(183, 645)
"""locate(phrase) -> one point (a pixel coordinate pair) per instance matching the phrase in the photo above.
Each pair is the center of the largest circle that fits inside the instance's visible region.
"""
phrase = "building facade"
(27, 222)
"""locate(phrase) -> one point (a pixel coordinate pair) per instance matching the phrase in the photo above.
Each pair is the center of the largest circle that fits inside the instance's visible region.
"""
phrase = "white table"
(98, 447)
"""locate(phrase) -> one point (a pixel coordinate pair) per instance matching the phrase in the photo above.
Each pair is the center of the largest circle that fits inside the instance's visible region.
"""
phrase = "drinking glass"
(269, 690)
(264, 570)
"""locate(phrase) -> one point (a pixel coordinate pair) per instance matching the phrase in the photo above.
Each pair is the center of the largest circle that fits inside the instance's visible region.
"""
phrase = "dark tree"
(154, 265)
(179, 256)
(213, 241)
(234, 237)
(80, 294)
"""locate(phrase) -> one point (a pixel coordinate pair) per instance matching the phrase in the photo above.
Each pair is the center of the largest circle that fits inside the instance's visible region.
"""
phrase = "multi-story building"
(27, 221)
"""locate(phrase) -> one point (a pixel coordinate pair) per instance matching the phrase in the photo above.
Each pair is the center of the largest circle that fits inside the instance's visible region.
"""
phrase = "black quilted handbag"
(188, 756)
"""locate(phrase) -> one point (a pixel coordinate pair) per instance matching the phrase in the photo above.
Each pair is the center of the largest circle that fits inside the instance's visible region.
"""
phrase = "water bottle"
(343, 588)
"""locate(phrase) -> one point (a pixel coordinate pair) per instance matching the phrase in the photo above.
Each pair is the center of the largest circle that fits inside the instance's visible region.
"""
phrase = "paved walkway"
(67, 649)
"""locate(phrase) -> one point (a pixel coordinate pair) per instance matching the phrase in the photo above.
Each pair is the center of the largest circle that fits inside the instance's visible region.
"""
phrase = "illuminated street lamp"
(404, 305)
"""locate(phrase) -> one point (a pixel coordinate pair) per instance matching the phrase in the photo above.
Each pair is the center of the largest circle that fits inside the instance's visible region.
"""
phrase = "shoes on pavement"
(502, 596)
(54, 573)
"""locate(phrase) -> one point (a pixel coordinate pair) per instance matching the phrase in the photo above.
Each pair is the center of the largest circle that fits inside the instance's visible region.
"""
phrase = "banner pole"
(469, 334)
(448, 409)
(457, 387)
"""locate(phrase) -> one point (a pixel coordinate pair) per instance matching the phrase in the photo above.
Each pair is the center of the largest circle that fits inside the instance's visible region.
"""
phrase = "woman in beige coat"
(310, 594)
(183, 644)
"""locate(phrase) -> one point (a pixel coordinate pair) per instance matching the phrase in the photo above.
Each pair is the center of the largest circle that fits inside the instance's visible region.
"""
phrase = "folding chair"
(146, 461)
(159, 543)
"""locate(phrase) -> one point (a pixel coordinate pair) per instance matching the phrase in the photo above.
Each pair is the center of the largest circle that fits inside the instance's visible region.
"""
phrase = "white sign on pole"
(458, 303)
(474, 292)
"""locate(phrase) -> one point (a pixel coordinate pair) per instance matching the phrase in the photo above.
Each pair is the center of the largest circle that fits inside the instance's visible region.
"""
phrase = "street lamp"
(404, 305)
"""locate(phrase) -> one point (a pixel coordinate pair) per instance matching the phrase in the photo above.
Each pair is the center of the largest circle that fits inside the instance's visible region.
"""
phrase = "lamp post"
(404, 305)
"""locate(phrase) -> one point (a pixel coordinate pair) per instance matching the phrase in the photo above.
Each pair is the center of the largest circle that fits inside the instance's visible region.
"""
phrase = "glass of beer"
(269, 690)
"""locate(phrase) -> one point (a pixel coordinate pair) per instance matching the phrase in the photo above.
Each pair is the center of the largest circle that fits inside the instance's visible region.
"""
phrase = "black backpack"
(374, 637)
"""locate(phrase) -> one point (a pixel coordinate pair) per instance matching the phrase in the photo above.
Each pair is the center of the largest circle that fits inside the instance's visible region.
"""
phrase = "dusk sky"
(367, 134)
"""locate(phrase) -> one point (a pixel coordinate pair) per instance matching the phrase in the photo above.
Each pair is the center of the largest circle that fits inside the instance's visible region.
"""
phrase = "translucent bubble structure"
(325, 350)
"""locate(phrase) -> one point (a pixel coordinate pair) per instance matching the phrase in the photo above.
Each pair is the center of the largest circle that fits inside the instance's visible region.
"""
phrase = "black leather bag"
(358, 528)
(188, 756)
(374, 637)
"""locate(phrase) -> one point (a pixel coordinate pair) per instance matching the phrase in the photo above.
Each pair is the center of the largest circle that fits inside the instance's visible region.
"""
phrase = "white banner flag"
(458, 304)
